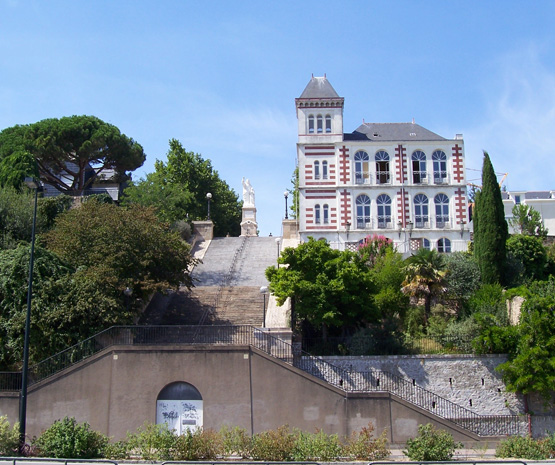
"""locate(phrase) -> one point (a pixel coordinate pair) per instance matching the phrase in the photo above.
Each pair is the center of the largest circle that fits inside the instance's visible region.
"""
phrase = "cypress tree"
(490, 228)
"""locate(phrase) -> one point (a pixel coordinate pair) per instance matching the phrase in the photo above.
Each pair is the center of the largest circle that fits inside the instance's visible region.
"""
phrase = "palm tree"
(424, 277)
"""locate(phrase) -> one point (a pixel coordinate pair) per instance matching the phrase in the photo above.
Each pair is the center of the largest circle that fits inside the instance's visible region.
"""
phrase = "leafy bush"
(152, 442)
(527, 448)
(431, 444)
(235, 441)
(68, 439)
(274, 445)
(363, 445)
(201, 444)
(317, 446)
(9, 437)
(118, 450)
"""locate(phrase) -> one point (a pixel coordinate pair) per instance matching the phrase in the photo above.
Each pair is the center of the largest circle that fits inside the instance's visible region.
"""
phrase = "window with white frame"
(419, 175)
(384, 211)
(328, 124)
(421, 216)
(319, 124)
(311, 124)
(363, 211)
(444, 245)
(324, 170)
(362, 167)
(317, 213)
(316, 169)
(326, 214)
(441, 202)
(439, 160)
(382, 167)
(426, 244)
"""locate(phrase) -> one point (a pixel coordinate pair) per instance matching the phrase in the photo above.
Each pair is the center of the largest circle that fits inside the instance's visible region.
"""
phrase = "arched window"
(421, 217)
(316, 170)
(384, 211)
(328, 124)
(363, 211)
(442, 210)
(324, 170)
(444, 245)
(311, 124)
(382, 167)
(425, 244)
(326, 214)
(319, 124)
(419, 175)
(179, 405)
(362, 164)
(317, 214)
(440, 167)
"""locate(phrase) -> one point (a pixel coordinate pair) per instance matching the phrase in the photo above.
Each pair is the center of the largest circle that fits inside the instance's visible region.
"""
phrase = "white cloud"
(518, 125)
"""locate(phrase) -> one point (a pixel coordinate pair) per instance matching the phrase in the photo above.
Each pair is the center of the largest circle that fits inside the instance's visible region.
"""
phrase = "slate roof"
(319, 87)
(537, 195)
(392, 132)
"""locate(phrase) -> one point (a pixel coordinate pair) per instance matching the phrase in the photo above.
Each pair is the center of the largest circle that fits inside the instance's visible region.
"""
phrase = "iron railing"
(346, 380)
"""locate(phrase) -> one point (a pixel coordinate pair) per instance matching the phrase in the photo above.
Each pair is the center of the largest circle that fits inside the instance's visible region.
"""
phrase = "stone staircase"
(227, 286)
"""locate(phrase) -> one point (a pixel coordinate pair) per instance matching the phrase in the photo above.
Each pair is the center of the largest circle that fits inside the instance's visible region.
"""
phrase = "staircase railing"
(348, 381)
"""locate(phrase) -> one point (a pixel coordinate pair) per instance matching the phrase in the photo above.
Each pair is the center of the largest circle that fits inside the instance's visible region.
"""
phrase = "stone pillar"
(290, 229)
(204, 229)
(249, 226)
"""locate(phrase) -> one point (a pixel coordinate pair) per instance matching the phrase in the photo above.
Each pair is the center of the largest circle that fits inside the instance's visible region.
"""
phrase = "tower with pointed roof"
(398, 180)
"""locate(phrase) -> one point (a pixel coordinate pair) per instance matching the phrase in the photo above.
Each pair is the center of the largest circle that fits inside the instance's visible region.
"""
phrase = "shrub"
(152, 442)
(9, 437)
(317, 446)
(198, 445)
(364, 446)
(527, 448)
(431, 444)
(274, 445)
(118, 450)
(68, 439)
(235, 441)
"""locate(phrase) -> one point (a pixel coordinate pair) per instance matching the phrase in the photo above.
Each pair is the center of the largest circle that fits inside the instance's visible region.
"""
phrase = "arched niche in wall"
(179, 404)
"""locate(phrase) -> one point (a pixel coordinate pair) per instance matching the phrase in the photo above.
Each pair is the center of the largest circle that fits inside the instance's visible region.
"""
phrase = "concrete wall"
(116, 390)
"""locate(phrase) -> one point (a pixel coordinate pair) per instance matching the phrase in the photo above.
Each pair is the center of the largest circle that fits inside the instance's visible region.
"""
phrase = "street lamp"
(286, 194)
(462, 223)
(278, 242)
(347, 228)
(32, 184)
(128, 292)
(264, 291)
(208, 197)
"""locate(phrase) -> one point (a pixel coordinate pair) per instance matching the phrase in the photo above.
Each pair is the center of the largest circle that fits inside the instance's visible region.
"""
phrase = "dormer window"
(328, 124)
(311, 124)
(320, 124)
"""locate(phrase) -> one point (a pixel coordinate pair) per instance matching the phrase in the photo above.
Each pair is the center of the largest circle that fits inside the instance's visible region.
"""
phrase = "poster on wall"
(180, 415)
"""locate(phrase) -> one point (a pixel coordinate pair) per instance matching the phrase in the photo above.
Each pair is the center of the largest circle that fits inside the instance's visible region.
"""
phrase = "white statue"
(248, 193)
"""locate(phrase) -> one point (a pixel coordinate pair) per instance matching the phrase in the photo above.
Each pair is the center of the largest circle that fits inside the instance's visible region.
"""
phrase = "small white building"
(541, 201)
(398, 180)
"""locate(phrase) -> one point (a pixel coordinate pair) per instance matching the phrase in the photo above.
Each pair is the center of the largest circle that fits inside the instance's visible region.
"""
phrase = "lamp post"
(278, 242)
(32, 184)
(208, 198)
(462, 223)
(347, 228)
(286, 194)
(128, 292)
(264, 291)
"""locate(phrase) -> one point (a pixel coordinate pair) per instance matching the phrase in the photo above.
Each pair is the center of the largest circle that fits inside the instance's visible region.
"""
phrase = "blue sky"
(222, 76)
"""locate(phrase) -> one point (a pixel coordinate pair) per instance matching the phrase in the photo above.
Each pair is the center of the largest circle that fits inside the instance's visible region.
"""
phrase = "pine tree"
(490, 227)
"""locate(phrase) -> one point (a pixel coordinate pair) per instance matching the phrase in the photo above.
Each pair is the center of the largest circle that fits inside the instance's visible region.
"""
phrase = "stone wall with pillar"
(204, 230)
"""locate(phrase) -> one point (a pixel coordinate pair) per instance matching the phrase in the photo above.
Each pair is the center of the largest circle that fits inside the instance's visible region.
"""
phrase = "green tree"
(129, 247)
(424, 277)
(527, 220)
(178, 190)
(462, 277)
(69, 152)
(530, 251)
(329, 288)
(490, 227)
(532, 367)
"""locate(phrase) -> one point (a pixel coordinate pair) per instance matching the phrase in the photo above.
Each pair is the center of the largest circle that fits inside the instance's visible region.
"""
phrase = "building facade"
(541, 201)
(398, 180)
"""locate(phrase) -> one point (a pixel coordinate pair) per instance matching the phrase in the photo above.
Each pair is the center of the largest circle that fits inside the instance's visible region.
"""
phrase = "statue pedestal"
(249, 226)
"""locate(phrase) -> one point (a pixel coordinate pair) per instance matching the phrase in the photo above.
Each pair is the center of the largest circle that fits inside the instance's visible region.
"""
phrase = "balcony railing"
(384, 222)
(363, 178)
(441, 177)
(420, 177)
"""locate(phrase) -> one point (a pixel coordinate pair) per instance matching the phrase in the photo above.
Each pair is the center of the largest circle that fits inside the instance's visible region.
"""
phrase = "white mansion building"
(398, 180)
